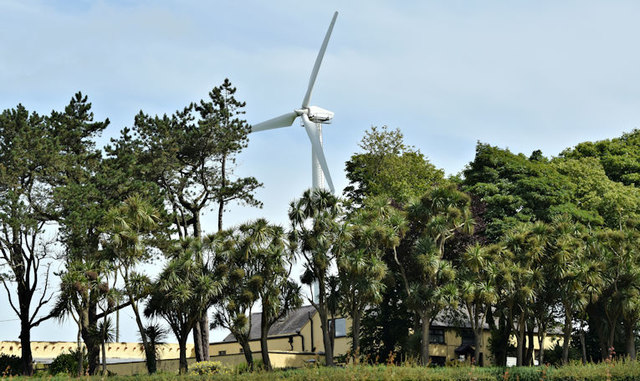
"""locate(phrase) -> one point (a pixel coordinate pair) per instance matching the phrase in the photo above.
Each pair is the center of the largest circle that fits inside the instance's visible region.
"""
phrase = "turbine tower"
(313, 117)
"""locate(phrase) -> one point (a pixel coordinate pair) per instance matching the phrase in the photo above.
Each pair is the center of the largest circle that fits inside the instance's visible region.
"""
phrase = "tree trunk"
(89, 336)
(566, 337)
(583, 344)
(201, 329)
(88, 331)
(355, 331)
(223, 185)
(264, 343)
(104, 357)
(204, 332)
(424, 345)
(528, 360)
(184, 366)
(246, 349)
(197, 341)
(542, 334)
(520, 340)
(610, 339)
(324, 324)
(79, 354)
(145, 341)
(150, 356)
(477, 335)
(630, 340)
(25, 342)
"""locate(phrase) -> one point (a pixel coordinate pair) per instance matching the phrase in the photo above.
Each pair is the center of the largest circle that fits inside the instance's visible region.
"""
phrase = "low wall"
(122, 350)
(139, 367)
(279, 359)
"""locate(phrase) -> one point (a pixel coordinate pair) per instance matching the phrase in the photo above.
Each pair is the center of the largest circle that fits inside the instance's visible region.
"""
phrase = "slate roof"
(289, 325)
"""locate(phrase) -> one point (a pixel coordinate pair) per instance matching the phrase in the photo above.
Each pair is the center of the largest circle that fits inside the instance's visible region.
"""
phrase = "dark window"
(467, 337)
(436, 336)
(437, 360)
(222, 353)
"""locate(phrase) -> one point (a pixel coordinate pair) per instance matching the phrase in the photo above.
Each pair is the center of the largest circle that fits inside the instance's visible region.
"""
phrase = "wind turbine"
(313, 117)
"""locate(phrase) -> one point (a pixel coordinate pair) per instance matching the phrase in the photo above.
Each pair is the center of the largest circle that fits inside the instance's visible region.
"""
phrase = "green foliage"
(10, 365)
(514, 188)
(620, 157)
(67, 363)
(206, 368)
(388, 167)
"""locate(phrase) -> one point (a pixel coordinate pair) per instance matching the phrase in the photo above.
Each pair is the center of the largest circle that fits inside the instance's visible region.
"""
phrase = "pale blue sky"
(519, 74)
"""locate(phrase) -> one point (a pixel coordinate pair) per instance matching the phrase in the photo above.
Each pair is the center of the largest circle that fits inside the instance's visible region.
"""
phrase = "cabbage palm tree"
(128, 232)
(477, 288)
(374, 228)
(272, 260)
(427, 276)
(317, 235)
(105, 330)
(182, 293)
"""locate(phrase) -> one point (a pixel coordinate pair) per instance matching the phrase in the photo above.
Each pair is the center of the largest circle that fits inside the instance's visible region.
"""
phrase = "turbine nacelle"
(316, 114)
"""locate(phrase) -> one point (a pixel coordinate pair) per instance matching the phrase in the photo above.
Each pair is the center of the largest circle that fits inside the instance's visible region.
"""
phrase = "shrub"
(67, 363)
(207, 367)
(10, 365)
(258, 365)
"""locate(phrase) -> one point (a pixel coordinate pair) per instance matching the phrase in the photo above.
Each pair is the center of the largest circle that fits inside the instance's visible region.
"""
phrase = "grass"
(609, 371)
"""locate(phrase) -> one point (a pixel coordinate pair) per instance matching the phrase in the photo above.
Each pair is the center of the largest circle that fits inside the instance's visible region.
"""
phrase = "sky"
(521, 75)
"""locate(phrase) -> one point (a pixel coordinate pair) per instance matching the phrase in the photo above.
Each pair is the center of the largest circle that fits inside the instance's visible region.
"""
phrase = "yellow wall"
(51, 349)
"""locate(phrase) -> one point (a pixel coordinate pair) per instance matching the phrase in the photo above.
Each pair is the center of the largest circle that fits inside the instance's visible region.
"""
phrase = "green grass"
(614, 371)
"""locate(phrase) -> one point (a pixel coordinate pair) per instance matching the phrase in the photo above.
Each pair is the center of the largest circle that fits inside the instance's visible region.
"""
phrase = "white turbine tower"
(313, 117)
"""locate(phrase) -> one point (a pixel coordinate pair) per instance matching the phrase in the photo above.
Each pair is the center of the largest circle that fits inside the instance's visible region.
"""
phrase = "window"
(436, 336)
(467, 337)
(437, 360)
(339, 327)
(222, 353)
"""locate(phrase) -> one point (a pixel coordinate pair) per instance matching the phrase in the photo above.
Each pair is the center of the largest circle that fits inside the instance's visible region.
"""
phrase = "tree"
(128, 232)
(191, 155)
(373, 229)
(105, 330)
(81, 198)
(278, 294)
(233, 250)
(317, 235)
(429, 278)
(388, 167)
(477, 289)
(619, 157)
(82, 287)
(516, 189)
(25, 154)
(618, 253)
(182, 293)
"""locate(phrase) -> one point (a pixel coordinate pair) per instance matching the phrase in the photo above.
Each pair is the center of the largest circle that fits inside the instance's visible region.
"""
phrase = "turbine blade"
(312, 132)
(316, 67)
(284, 120)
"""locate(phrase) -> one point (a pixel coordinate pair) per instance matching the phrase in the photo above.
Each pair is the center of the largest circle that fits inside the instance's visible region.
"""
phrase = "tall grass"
(608, 371)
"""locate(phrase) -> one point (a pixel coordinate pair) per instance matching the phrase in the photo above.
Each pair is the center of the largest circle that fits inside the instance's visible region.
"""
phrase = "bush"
(10, 365)
(67, 363)
(207, 367)
(258, 365)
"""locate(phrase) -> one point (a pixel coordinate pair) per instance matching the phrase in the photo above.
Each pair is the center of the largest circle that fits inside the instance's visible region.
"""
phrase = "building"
(294, 339)
(298, 338)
